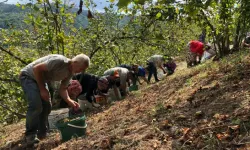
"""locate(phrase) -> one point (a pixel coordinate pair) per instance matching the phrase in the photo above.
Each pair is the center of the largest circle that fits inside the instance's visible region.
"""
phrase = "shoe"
(31, 139)
(95, 104)
(157, 80)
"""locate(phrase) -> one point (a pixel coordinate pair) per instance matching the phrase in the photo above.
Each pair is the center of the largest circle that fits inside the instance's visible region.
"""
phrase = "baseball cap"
(115, 73)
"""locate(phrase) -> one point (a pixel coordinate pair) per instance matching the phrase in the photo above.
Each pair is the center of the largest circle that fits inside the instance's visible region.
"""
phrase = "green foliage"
(123, 3)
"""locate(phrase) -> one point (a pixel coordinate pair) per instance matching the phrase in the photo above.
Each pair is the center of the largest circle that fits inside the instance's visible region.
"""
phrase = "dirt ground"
(205, 107)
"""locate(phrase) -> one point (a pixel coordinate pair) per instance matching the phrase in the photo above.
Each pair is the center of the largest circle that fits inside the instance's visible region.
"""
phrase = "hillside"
(13, 16)
(206, 107)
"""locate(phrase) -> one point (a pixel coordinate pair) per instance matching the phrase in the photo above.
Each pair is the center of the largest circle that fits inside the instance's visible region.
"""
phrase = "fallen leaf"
(185, 130)
(198, 114)
(105, 144)
(236, 127)
(223, 136)
(220, 117)
(233, 130)
(219, 136)
(181, 117)
(165, 125)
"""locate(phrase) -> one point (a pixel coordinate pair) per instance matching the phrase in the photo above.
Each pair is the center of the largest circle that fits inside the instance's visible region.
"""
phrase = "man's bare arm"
(39, 70)
(64, 94)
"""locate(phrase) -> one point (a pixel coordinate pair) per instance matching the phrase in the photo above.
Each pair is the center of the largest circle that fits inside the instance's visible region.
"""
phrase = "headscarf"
(74, 89)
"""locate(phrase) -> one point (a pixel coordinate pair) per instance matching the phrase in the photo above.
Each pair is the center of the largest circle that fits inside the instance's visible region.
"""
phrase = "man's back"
(58, 67)
(88, 81)
(158, 60)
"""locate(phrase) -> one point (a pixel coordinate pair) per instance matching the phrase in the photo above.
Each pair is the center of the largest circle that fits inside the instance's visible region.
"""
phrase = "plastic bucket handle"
(74, 126)
(59, 114)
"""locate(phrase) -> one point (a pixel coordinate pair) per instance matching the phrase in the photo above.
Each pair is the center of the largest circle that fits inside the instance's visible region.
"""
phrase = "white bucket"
(160, 74)
(205, 56)
(57, 115)
(111, 95)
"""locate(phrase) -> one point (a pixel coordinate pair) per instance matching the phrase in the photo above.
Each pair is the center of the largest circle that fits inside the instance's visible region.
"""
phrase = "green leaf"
(158, 15)
(106, 9)
(18, 5)
(36, 8)
(123, 3)
(112, 1)
(160, 37)
(142, 2)
(177, 10)
(29, 4)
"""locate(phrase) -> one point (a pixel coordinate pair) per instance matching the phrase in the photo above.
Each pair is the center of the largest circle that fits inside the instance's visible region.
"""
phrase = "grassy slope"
(206, 107)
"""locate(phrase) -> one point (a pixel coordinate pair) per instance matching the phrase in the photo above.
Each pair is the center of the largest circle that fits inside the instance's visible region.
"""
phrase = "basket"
(75, 128)
(100, 99)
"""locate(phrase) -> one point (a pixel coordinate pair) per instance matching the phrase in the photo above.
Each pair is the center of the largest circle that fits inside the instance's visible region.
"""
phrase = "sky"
(100, 3)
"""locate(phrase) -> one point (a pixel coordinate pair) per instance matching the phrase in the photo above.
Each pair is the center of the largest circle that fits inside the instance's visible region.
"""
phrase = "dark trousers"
(152, 71)
(38, 109)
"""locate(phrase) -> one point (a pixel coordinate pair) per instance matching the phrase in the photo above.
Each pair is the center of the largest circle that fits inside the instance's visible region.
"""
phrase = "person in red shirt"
(195, 50)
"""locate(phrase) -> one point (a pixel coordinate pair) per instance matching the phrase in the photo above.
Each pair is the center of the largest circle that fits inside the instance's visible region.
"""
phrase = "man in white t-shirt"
(154, 62)
(124, 76)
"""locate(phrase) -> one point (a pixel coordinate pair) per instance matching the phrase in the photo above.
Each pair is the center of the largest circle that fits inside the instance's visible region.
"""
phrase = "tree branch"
(9, 80)
(11, 54)
(20, 116)
(107, 42)
(207, 21)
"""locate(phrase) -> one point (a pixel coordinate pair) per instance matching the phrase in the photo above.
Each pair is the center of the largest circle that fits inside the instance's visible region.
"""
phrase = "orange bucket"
(100, 99)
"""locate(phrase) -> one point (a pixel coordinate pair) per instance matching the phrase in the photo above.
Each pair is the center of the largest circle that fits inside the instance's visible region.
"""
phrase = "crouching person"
(74, 89)
(34, 78)
(120, 78)
(92, 85)
(154, 62)
(246, 42)
(170, 66)
(139, 72)
(195, 51)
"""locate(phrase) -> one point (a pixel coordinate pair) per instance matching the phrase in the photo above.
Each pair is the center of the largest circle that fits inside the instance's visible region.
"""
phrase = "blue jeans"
(38, 109)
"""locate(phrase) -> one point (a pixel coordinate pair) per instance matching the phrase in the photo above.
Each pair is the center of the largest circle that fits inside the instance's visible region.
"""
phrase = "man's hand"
(73, 104)
(45, 94)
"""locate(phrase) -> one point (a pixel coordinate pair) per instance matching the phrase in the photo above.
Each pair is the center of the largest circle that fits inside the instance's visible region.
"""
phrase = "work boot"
(31, 139)
(95, 104)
